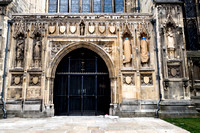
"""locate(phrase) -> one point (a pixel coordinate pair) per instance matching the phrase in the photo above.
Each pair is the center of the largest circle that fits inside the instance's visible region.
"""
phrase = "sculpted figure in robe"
(170, 38)
(37, 49)
(82, 29)
(144, 50)
(127, 50)
(20, 49)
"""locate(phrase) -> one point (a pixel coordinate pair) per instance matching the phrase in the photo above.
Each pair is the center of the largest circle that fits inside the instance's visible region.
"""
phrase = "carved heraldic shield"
(52, 29)
(62, 29)
(128, 79)
(102, 29)
(91, 29)
(146, 80)
(72, 29)
(17, 80)
(35, 80)
(112, 29)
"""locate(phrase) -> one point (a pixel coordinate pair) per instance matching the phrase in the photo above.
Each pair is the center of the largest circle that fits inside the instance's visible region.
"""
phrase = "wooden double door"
(82, 85)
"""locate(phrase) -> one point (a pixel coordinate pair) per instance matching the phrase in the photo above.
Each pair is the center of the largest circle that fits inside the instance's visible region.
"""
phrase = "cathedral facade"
(95, 57)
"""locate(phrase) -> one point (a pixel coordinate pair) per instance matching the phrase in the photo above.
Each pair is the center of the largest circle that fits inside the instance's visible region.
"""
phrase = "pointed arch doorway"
(82, 84)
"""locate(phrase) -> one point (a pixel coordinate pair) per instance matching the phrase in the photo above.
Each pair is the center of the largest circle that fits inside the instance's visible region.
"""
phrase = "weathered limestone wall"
(174, 68)
(17, 6)
(132, 74)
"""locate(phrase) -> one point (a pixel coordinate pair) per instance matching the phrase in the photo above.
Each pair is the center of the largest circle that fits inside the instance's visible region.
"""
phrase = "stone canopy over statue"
(127, 51)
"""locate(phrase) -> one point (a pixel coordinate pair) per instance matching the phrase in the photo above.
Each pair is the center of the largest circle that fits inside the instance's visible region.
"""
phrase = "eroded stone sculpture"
(144, 50)
(127, 51)
(20, 51)
(37, 49)
(170, 38)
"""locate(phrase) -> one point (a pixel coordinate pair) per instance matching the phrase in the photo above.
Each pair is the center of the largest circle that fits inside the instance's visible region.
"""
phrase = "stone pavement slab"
(87, 124)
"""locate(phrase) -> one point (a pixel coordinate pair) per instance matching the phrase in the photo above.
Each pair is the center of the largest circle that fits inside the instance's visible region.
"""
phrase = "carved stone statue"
(127, 51)
(20, 49)
(170, 38)
(37, 49)
(144, 50)
(82, 28)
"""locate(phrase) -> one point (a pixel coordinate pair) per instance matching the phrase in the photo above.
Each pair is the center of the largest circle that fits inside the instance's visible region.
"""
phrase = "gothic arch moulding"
(75, 45)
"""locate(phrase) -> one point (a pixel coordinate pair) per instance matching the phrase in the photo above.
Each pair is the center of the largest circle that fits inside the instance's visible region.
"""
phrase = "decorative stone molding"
(56, 46)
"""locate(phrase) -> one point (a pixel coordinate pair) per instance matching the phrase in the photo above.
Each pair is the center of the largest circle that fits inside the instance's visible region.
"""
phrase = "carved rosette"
(33, 93)
(17, 80)
(14, 93)
(35, 80)
(146, 79)
(128, 79)
(107, 46)
(56, 46)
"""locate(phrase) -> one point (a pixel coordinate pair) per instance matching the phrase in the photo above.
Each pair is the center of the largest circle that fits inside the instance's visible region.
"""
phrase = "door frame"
(95, 48)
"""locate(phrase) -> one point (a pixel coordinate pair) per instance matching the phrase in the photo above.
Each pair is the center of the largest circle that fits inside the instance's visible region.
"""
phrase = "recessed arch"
(88, 45)
(82, 84)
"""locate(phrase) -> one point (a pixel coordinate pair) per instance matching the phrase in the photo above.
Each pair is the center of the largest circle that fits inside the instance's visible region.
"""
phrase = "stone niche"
(128, 86)
(34, 89)
(147, 86)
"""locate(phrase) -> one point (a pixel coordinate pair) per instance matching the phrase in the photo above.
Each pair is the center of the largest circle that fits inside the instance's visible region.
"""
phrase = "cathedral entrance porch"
(81, 85)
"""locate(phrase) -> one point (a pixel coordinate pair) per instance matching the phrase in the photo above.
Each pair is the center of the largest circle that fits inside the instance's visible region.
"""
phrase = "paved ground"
(73, 124)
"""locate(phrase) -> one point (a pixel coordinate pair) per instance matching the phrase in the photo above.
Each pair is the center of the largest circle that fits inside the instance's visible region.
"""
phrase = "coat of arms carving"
(102, 29)
(112, 29)
(91, 29)
(52, 29)
(72, 29)
(128, 79)
(62, 29)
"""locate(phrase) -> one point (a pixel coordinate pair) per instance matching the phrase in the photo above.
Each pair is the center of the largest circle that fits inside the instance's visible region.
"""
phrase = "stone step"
(137, 113)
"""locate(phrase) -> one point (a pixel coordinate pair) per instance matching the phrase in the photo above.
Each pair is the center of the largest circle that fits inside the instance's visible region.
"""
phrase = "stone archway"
(93, 47)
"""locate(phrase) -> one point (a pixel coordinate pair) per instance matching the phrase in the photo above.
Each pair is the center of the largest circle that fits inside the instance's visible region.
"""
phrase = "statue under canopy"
(127, 50)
